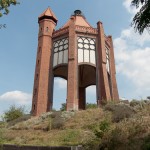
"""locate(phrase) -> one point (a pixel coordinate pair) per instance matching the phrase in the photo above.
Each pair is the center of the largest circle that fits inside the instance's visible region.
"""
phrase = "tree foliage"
(63, 107)
(141, 19)
(4, 4)
(13, 113)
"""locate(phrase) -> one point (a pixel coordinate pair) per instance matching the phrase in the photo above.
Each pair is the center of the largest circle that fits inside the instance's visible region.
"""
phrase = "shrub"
(114, 140)
(134, 103)
(146, 144)
(1, 137)
(139, 105)
(19, 119)
(13, 113)
(102, 128)
(55, 121)
(58, 121)
(120, 111)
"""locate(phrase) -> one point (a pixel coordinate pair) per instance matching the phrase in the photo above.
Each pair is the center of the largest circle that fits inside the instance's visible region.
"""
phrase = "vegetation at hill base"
(112, 127)
(13, 113)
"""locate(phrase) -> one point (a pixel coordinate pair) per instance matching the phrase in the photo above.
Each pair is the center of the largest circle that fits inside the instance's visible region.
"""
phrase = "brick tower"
(77, 52)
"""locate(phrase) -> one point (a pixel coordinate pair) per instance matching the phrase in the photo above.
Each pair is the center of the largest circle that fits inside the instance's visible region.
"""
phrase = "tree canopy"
(5, 4)
(141, 19)
(13, 113)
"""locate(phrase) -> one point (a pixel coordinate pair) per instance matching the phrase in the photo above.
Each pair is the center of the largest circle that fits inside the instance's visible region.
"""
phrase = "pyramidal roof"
(48, 13)
(79, 20)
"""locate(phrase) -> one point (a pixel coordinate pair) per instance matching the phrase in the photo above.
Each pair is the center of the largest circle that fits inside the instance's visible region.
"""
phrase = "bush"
(1, 137)
(120, 111)
(13, 113)
(20, 119)
(102, 128)
(134, 103)
(114, 140)
(55, 121)
(146, 144)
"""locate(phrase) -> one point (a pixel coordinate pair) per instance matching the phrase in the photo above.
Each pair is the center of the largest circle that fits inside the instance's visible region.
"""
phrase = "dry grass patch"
(85, 118)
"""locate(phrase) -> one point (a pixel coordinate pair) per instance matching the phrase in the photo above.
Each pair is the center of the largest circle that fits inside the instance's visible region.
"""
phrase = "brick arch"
(61, 71)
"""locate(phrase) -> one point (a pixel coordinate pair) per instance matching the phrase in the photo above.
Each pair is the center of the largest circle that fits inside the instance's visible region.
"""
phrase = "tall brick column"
(103, 91)
(82, 98)
(72, 84)
(43, 81)
(115, 95)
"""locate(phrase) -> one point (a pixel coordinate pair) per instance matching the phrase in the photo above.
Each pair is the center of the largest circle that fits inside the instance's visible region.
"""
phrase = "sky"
(18, 46)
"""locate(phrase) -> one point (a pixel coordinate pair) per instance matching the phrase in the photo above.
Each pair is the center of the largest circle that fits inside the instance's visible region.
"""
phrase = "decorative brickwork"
(77, 52)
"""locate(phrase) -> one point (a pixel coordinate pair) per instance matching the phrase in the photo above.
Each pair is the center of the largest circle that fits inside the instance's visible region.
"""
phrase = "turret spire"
(48, 14)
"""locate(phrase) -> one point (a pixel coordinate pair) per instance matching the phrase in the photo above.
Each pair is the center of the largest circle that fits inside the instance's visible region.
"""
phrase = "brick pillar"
(115, 95)
(43, 81)
(82, 98)
(72, 84)
(103, 91)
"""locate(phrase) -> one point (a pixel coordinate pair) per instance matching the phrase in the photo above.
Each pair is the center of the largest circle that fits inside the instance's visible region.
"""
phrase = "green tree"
(63, 107)
(13, 113)
(4, 4)
(141, 19)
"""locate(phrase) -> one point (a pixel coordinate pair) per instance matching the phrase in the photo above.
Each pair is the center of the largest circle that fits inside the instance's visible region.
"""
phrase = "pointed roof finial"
(48, 14)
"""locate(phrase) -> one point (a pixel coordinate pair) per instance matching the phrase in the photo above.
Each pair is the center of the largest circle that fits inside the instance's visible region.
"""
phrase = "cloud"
(16, 97)
(131, 9)
(132, 53)
(134, 38)
(91, 90)
(61, 83)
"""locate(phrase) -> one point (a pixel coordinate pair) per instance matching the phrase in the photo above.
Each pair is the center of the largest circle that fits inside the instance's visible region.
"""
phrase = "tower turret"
(42, 94)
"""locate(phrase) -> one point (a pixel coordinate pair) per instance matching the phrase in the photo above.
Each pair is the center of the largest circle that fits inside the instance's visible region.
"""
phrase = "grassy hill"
(112, 127)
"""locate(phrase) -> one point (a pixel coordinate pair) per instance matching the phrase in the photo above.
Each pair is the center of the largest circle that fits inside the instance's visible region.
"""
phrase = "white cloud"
(134, 38)
(131, 9)
(133, 57)
(61, 83)
(91, 90)
(16, 97)
(132, 53)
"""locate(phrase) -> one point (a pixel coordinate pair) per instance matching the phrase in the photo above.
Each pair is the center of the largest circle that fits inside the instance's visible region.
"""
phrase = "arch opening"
(91, 98)
(59, 92)
(87, 77)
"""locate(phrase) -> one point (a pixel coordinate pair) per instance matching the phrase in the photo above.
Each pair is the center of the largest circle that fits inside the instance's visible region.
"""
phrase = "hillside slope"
(115, 127)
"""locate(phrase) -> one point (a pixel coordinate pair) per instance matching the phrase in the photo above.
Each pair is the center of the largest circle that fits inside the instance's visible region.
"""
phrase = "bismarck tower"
(77, 52)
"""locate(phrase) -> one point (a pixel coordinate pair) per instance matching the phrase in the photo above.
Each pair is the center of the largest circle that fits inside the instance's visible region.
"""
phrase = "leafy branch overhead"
(5, 4)
(141, 19)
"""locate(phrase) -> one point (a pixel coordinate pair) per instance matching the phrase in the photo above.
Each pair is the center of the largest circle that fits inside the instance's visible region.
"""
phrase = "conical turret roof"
(48, 13)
